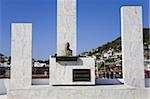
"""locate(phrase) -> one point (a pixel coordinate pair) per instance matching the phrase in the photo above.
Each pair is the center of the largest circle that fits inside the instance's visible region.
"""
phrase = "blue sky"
(98, 22)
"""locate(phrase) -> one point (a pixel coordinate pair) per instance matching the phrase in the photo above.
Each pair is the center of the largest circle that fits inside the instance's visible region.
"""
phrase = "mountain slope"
(116, 45)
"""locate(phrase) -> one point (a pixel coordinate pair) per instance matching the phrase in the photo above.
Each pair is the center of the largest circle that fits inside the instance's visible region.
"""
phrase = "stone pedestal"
(69, 72)
(132, 46)
(21, 53)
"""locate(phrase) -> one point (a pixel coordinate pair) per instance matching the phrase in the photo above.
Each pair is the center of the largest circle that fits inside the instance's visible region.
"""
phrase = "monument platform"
(80, 92)
(82, 71)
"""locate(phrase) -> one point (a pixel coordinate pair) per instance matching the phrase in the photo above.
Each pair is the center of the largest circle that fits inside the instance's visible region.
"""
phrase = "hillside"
(116, 45)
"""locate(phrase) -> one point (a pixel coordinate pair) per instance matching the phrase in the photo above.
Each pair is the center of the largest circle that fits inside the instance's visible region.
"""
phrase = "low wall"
(80, 92)
(4, 84)
(147, 82)
(40, 81)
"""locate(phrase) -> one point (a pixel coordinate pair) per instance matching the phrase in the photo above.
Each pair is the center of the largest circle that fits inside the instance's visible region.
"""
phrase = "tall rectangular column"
(21, 53)
(132, 46)
(69, 66)
(66, 26)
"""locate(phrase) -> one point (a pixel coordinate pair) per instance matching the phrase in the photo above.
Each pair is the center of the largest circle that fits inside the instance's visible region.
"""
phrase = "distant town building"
(108, 54)
(147, 65)
(4, 61)
(38, 64)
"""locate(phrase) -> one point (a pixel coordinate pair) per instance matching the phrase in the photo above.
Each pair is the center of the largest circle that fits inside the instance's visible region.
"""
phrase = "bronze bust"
(68, 51)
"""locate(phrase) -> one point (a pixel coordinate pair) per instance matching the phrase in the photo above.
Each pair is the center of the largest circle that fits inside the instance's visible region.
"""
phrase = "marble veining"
(66, 26)
(132, 46)
(21, 52)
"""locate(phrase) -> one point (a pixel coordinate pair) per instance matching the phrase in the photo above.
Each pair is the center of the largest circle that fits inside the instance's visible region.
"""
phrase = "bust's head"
(67, 45)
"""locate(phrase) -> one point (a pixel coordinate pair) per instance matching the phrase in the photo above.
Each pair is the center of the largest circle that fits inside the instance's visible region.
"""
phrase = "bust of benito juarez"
(68, 51)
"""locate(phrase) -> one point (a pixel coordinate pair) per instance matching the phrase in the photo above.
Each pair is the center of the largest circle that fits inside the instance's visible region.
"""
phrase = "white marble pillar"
(66, 25)
(21, 53)
(132, 46)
